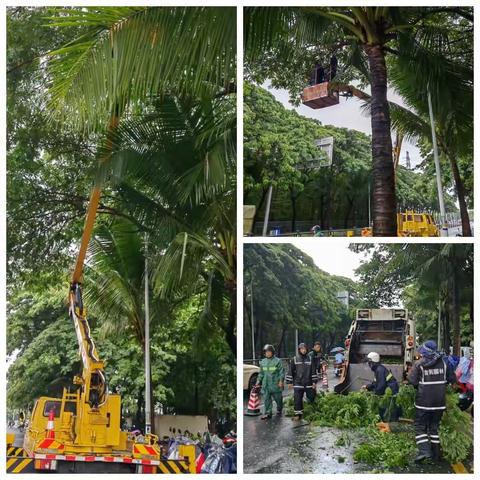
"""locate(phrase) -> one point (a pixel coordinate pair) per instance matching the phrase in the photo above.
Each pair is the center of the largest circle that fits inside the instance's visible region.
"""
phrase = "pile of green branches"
(395, 449)
(456, 431)
(389, 450)
(386, 450)
(357, 409)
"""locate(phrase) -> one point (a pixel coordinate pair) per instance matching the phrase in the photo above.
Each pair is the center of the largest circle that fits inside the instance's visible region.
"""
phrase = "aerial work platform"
(320, 96)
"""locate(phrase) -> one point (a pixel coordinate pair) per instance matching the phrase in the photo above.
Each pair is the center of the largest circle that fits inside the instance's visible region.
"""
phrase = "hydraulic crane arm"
(93, 378)
(87, 233)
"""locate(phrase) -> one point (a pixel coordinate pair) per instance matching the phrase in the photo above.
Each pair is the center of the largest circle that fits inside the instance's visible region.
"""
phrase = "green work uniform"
(271, 374)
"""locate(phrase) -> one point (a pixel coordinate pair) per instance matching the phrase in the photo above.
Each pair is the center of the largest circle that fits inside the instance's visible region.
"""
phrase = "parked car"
(250, 374)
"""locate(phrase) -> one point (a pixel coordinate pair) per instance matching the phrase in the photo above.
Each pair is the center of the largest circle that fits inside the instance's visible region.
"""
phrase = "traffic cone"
(199, 461)
(324, 377)
(253, 403)
(51, 425)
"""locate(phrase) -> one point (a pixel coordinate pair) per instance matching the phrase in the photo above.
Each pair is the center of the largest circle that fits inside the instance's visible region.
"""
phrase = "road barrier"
(20, 465)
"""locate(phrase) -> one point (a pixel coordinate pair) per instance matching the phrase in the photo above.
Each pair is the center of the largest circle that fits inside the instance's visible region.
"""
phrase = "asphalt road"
(281, 446)
(457, 231)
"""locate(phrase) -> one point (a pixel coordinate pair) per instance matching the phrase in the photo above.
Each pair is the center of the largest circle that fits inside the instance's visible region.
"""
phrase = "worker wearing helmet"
(271, 379)
(383, 378)
(430, 376)
(302, 375)
(317, 231)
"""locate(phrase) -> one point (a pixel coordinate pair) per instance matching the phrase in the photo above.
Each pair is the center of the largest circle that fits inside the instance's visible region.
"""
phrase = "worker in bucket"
(430, 376)
(320, 363)
(303, 377)
(383, 378)
(271, 379)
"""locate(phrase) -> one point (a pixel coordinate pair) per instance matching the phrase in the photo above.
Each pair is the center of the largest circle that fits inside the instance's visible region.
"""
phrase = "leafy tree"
(442, 273)
(279, 150)
(290, 292)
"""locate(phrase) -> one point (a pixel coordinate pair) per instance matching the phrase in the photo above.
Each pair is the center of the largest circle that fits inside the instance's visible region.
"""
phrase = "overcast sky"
(332, 257)
(348, 114)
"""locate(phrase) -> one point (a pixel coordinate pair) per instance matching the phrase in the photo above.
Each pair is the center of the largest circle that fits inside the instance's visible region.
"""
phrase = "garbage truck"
(388, 331)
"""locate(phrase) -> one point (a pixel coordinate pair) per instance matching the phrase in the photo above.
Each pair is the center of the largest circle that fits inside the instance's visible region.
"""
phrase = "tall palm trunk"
(384, 201)
(466, 230)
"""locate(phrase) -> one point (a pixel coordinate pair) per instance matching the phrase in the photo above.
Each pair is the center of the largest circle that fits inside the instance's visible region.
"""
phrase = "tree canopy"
(279, 149)
(287, 291)
(166, 165)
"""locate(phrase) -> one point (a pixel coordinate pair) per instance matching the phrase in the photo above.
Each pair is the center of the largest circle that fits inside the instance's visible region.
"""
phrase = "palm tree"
(128, 54)
(444, 269)
(177, 182)
(453, 143)
(368, 34)
(159, 84)
(443, 65)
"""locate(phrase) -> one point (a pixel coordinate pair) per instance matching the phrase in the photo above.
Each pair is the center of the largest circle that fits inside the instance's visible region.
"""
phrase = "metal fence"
(281, 228)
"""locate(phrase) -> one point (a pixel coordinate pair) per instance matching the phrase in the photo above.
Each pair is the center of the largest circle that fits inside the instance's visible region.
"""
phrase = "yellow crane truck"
(412, 224)
(80, 432)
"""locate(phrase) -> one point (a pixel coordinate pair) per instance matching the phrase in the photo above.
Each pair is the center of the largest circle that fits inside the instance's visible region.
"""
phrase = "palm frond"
(134, 53)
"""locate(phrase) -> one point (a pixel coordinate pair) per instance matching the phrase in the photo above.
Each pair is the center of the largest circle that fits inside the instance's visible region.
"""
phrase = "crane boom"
(87, 233)
(93, 378)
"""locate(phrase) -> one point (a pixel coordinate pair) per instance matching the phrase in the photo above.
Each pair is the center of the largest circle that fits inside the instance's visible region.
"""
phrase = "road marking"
(22, 465)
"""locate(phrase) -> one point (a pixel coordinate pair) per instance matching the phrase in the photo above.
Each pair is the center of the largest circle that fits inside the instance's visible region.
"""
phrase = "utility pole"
(267, 211)
(443, 228)
(148, 406)
(296, 341)
(251, 316)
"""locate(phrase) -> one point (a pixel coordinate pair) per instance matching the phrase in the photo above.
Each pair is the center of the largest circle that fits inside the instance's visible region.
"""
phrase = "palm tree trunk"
(384, 200)
(466, 230)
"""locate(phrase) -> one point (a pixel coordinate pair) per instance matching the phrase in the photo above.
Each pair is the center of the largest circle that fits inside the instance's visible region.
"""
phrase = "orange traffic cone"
(253, 403)
(324, 377)
(51, 425)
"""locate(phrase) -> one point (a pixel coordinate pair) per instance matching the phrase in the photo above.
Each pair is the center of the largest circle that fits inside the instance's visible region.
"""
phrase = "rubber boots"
(436, 452)
(424, 452)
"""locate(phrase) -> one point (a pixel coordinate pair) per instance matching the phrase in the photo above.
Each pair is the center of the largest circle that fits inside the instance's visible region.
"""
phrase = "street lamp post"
(148, 406)
(443, 230)
(251, 317)
(267, 211)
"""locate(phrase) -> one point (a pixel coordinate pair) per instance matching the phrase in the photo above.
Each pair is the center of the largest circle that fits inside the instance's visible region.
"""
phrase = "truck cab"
(96, 431)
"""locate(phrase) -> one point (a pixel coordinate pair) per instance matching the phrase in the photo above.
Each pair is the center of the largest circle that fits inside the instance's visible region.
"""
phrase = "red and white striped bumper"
(92, 458)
